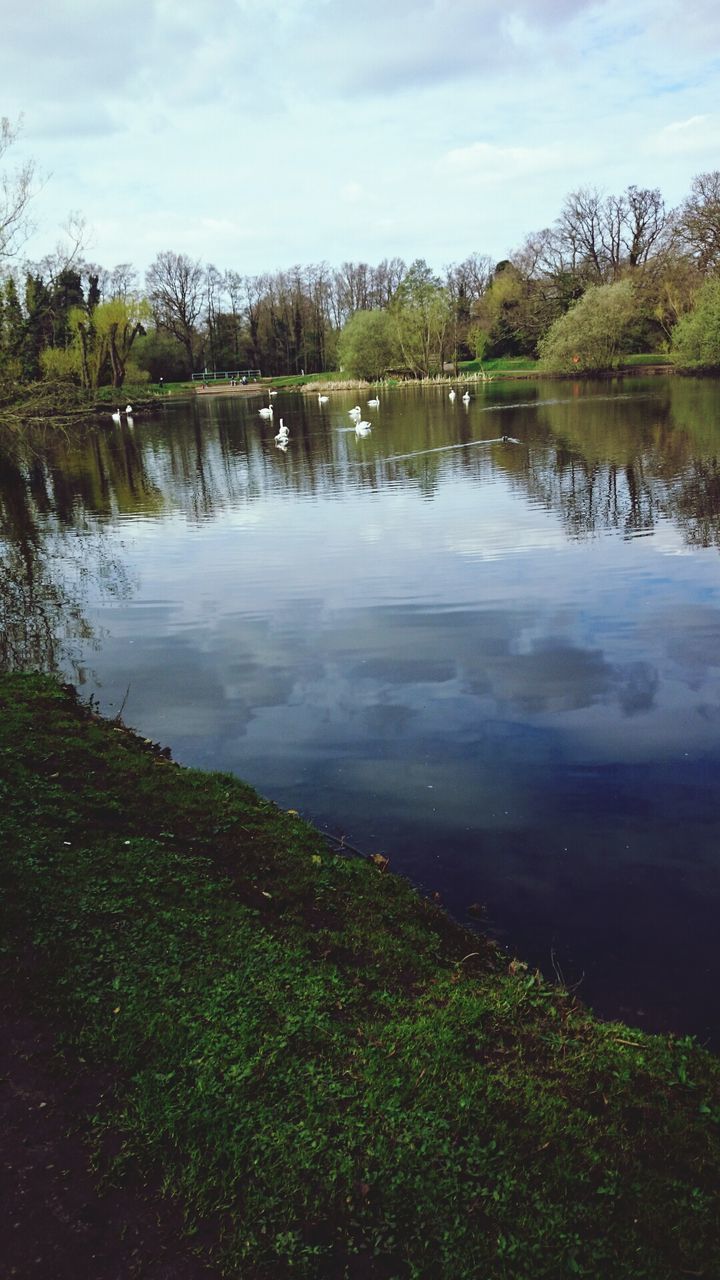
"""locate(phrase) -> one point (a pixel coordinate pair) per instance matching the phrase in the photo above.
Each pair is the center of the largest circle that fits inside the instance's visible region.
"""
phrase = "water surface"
(496, 661)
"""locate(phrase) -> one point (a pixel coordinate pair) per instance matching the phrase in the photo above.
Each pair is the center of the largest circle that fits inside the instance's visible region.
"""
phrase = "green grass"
(651, 358)
(502, 364)
(308, 1051)
(525, 364)
(291, 380)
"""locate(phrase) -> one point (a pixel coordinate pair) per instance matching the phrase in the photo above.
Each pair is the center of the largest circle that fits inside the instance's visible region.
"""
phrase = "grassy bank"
(500, 365)
(334, 1079)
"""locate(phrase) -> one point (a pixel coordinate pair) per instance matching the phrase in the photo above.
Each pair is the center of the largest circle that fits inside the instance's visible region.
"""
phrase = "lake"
(496, 661)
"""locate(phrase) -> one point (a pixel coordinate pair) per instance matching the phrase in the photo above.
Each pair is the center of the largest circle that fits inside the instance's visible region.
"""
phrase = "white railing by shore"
(228, 375)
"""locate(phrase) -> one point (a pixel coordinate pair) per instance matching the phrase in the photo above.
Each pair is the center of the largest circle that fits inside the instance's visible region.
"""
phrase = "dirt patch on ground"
(252, 389)
(55, 1224)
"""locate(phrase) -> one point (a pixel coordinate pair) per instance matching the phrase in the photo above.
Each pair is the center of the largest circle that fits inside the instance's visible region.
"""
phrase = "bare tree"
(233, 287)
(697, 222)
(469, 278)
(176, 288)
(596, 240)
(214, 290)
(648, 224)
(16, 192)
(387, 277)
(318, 285)
(580, 229)
(254, 290)
(353, 287)
(68, 252)
(123, 281)
(634, 227)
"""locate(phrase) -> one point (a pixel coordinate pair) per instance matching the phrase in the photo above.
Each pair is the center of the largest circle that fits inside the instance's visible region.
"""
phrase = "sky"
(257, 134)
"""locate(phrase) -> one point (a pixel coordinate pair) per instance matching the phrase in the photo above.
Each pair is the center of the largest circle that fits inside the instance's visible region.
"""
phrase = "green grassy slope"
(335, 1079)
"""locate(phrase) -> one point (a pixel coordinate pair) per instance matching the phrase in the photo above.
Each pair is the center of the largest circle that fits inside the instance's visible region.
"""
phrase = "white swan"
(116, 416)
(272, 393)
(374, 403)
(282, 434)
(451, 395)
(466, 397)
(363, 428)
(128, 409)
(266, 413)
(356, 413)
(323, 399)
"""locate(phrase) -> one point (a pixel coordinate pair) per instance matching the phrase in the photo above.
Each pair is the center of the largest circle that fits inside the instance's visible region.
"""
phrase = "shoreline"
(315, 387)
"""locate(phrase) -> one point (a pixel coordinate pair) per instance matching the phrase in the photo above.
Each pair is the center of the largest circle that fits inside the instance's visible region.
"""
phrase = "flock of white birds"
(362, 427)
(117, 415)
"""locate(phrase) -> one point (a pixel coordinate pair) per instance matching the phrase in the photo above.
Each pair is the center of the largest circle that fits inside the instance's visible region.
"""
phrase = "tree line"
(614, 273)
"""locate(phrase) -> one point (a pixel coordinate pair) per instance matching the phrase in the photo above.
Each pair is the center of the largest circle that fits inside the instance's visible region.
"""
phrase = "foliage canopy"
(696, 337)
(589, 336)
(368, 345)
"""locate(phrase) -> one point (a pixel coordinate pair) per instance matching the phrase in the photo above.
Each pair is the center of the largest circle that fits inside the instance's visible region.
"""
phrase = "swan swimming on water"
(283, 434)
(266, 413)
(116, 416)
(374, 403)
(323, 399)
(451, 394)
(128, 409)
(466, 397)
(363, 428)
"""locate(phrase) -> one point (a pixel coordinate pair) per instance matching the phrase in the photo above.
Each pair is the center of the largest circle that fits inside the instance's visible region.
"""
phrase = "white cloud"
(482, 163)
(279, 131)
(352, 192)
(681, 137)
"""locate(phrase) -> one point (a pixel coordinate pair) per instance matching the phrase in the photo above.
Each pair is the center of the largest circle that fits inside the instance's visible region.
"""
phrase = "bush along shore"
(317, 1069)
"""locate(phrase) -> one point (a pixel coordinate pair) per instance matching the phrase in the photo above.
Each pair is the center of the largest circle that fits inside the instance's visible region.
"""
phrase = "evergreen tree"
(12, 323)
(39, 324)
(93, 296)
(67, 292)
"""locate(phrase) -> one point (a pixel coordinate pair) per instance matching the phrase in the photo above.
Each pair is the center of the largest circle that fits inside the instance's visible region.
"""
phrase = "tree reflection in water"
(54, 554)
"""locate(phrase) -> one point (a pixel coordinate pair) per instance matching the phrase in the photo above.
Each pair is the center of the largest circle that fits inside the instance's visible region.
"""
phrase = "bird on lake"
(323, 399)
(267, 412)
(128, 409)
(283, 434)
(374, 403)
(116, 416)
(356, 413)
(272, 393)
(466, 397)
(363, 428)
(452, 394)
